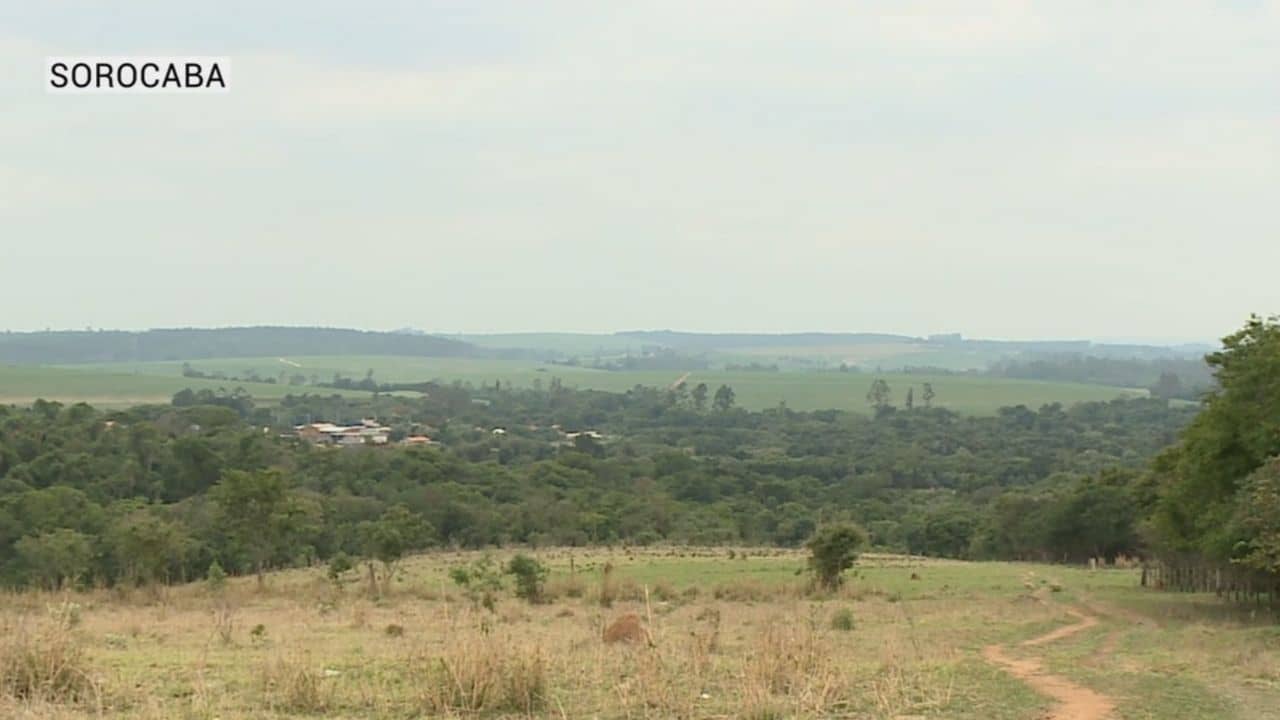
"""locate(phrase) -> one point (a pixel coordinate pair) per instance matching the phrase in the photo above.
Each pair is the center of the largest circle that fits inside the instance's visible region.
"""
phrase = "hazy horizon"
(1009, 170)
(453, 334)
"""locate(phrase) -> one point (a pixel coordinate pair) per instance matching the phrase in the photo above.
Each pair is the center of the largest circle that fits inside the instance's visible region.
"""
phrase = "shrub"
(608, 586)
(832, 550)
(530, 575)
(842, 620)
(338, 565)
(480, 581)
(216, 577)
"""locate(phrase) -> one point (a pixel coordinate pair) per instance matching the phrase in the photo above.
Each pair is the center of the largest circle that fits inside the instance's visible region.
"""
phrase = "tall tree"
(1235, 434)
(146, 546)
(723, 399)
(258, 513)
(55, 558)
(1169, 385)
(699, 396)
(878, 395)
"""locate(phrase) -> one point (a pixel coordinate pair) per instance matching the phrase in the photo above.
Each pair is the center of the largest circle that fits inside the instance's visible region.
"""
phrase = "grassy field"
(722, 635)
(890, 355)
(754, 390)
(108, 386)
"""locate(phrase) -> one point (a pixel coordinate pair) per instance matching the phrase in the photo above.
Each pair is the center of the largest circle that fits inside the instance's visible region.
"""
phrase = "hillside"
(812, 350)
(115, 388)
(109, 346)
(799, 390)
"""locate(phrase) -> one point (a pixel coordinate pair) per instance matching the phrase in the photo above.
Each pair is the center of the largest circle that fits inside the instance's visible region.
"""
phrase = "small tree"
(878, 395)
(387, 539)
(699, 396)
(530, 577)
(216, 577)
(928, 395)
(724, 398)
(339, 564)
(481, 581)
(832, 550)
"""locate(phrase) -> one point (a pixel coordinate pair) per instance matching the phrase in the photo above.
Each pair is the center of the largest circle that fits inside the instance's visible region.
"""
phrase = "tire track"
(1074, 702)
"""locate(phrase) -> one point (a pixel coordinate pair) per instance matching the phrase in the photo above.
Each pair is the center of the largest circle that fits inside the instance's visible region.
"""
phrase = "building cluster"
(367, 432)
(372, 432)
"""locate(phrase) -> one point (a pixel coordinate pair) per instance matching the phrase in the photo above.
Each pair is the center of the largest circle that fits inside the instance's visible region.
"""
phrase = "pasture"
(800, 390)
(726, 634)
(111, 386)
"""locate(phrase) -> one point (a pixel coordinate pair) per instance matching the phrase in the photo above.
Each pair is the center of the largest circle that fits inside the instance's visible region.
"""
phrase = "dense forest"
(161, 492)
(87, 495)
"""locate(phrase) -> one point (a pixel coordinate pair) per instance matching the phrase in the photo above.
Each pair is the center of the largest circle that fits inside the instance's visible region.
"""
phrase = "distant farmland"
(109, 386)
(128, 383)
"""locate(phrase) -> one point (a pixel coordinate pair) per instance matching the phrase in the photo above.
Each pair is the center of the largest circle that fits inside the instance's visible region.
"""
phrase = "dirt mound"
(628, 629)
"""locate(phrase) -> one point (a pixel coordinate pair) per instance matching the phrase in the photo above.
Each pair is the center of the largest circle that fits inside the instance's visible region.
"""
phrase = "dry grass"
(45, 661)
(293, 683)
(725, 638)
(478, 672)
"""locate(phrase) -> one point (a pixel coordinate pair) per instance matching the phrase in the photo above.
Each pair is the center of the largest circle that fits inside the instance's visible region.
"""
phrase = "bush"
(338, 565)
(216, 577)
(842, 620)
(832, 550)
(608, 586)
(530, 575)
(480, 581)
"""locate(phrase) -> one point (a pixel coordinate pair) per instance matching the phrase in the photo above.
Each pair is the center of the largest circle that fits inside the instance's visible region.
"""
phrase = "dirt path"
(1075, 702)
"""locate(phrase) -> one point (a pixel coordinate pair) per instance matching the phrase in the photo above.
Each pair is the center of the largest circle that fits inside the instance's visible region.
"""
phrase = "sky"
(1004, 169)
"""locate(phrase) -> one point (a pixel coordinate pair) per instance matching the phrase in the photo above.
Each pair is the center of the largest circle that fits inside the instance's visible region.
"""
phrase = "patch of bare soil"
(1075, 702)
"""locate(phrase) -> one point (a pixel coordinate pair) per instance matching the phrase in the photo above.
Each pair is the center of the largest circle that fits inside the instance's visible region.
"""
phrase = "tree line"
(161, 493)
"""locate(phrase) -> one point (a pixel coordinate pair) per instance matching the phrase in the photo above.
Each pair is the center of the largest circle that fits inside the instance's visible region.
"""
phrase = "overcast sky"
(1005, 169)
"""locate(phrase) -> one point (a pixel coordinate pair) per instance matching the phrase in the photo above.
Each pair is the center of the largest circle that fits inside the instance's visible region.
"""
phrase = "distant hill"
(722, 341)
(39, 348)
(715, 341)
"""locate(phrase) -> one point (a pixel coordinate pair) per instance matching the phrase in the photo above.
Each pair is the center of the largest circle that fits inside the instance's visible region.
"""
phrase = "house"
(418, 440)
(592, 434)
(570, 439)
(368, 432)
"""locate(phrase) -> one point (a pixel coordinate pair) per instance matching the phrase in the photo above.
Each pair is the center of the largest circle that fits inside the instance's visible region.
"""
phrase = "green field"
(890, 355)
(125, 383)
(114, 386)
